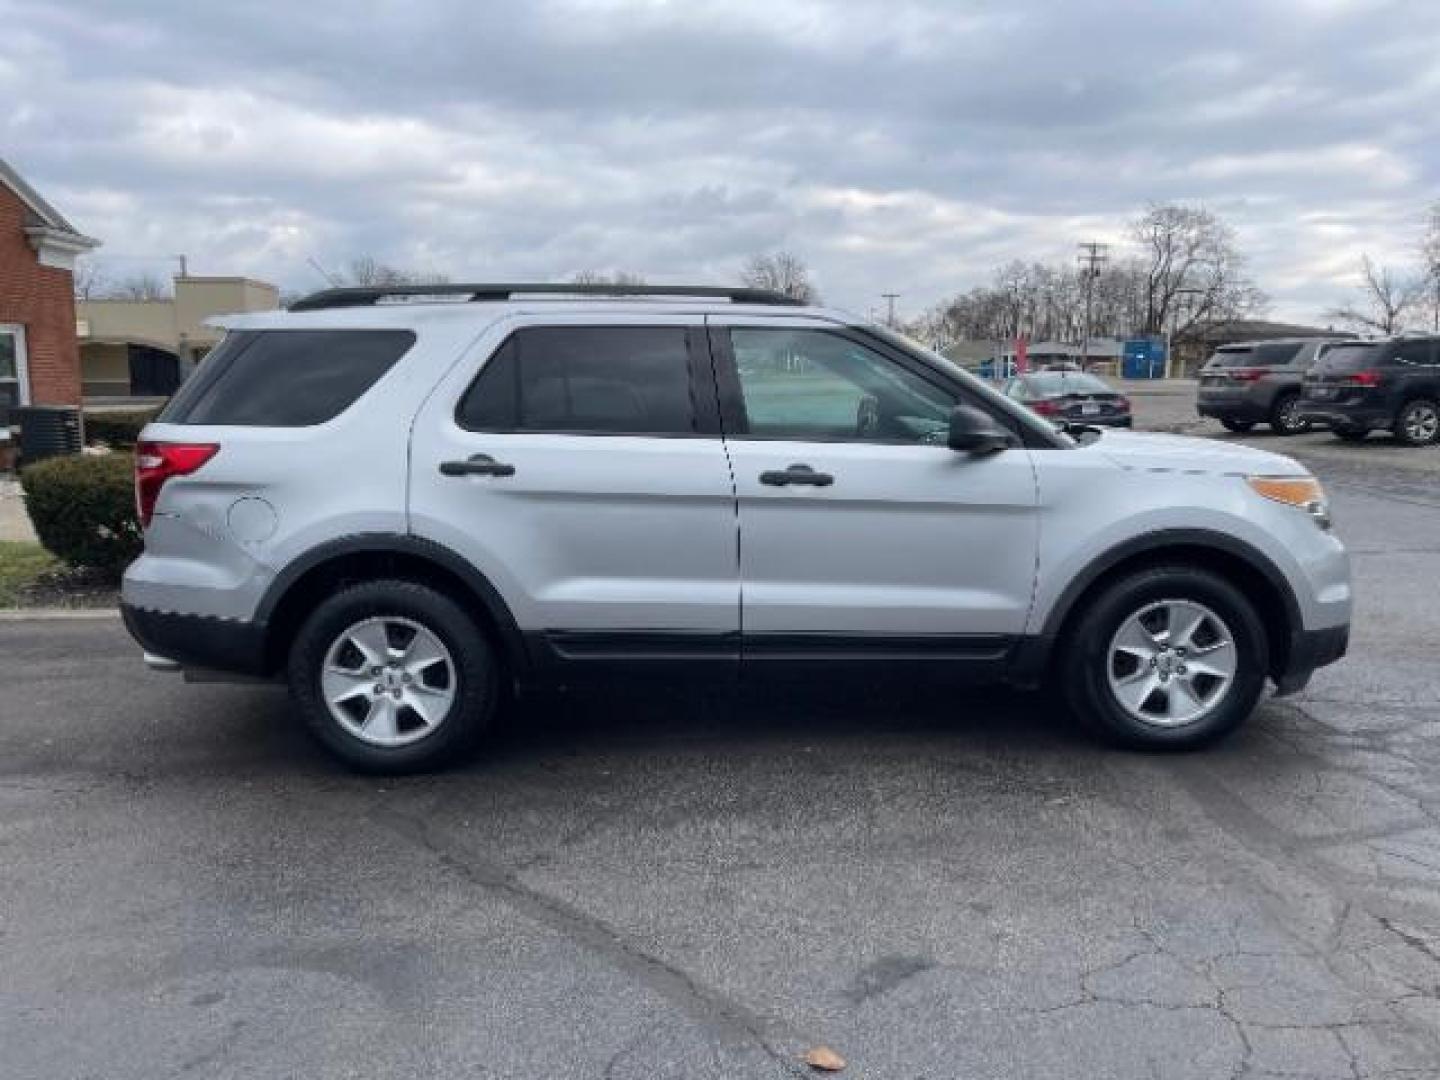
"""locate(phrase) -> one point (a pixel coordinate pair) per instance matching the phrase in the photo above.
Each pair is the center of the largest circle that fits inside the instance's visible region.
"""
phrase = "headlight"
(1302, 492)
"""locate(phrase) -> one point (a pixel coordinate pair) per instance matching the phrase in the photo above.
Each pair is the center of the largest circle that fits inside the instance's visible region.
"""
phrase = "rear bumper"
(1244, 409)
(1309, 650)
(198, 641)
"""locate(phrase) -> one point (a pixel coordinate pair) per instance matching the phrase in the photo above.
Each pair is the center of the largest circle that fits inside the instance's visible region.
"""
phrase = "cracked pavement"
(698, 886)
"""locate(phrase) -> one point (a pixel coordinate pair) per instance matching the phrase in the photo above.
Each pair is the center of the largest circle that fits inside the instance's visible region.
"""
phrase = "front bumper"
(1309, 650)
(199, 641)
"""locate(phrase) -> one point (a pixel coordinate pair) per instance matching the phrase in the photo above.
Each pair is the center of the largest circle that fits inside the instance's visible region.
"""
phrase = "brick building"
(39, 356)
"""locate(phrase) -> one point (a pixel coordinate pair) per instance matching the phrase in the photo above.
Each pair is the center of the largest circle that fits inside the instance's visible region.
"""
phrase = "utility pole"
(890, 298)
(1092, 257)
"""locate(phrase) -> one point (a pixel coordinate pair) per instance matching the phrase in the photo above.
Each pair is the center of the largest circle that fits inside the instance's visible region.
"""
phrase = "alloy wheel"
(388, 680)
(1422, 422)
(1171, 663)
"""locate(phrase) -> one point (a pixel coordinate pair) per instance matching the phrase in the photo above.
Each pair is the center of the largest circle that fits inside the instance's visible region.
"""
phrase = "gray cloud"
(896, 145)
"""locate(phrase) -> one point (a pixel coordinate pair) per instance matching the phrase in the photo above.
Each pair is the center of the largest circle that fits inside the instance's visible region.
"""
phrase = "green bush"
(83, 509)
(117, 428)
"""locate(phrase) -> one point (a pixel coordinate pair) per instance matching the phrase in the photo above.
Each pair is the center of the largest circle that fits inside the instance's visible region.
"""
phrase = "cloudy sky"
(899, 145)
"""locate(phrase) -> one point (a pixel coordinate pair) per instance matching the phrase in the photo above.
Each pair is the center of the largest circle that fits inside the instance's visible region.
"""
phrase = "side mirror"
(975, 432)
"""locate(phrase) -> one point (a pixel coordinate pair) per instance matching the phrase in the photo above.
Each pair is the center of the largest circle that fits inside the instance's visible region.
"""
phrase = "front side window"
(813, 384)
(619, 380)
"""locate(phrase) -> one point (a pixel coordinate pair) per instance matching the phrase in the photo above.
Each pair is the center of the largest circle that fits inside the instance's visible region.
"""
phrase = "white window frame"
(22, 360)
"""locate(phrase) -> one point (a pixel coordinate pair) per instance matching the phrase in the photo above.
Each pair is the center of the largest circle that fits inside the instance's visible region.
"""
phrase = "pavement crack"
(724, 1016)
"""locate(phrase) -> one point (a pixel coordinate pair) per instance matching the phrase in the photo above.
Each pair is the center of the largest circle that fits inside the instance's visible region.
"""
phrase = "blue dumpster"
(1143, 358)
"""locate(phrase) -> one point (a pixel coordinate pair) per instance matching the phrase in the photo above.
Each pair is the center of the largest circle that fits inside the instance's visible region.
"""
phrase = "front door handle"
(476, 465)
(796, 474)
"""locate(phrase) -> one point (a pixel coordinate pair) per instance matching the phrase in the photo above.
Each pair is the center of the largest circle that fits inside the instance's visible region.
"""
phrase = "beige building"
(145, 348)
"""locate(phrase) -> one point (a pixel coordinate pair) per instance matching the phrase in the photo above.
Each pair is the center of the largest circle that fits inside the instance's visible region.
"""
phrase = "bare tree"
(366, 270)
(600, 277)
(1193, 271)
(89, 280)
(781, 272)
(141, 286)
(1386, 298)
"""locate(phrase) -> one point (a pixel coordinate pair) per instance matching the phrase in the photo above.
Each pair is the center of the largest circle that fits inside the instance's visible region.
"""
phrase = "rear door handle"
(476, 465)
(796, 474)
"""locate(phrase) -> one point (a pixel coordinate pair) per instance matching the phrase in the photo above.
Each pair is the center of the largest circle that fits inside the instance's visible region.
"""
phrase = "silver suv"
(411, 503)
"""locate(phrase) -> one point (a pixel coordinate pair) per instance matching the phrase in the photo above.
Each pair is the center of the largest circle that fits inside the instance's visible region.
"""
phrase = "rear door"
(861, 532)
(577, 463)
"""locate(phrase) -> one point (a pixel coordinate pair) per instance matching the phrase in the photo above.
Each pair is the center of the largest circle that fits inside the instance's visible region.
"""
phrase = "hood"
(1154, 452)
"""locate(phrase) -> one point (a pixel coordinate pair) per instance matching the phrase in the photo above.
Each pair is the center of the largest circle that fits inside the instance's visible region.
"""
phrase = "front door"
(579, 466)
(14, 383)
(861, 532)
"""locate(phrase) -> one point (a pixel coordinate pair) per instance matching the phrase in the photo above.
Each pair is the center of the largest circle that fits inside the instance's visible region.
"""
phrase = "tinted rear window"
(285, 378)
(585, 379)
(1055, 383)
(1255, 355)
(1340, 359)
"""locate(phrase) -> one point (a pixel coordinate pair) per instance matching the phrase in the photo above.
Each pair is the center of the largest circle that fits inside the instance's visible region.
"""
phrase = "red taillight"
(1046, 408)
(1363, 378)
(156, 462)
(1122, 403)
(1245, 374)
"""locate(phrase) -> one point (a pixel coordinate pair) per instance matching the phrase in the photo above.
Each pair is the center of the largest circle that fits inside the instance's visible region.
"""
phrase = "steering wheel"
(867, 416)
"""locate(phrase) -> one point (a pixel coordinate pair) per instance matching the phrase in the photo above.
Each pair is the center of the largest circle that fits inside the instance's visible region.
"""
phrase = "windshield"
(1342, 359)
(1060, 383)
(1254, 355)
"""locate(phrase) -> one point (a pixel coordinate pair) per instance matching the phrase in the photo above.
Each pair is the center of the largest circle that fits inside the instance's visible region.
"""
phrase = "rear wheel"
(1418, 423)
(1167, 658)
(392, 676)
(1237, 426)
(1285, 418)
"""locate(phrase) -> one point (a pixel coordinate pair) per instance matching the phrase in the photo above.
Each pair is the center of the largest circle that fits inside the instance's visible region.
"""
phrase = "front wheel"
(392, 676)
(1418, 423)
(1168, 658)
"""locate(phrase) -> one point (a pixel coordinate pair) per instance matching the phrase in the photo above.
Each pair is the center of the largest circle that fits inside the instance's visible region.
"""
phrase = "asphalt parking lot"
(665, 886)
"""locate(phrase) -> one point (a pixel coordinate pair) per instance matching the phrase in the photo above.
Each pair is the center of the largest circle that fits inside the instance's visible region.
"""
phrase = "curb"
(54, 614)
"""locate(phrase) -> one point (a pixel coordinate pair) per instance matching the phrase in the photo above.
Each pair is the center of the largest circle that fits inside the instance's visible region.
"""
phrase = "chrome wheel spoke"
(1137, 689)
(1217, 661)
(371, 641)
(1136, 640)
(379, 722)
(1183, 621)
(340, 685)
(1181, 701)
(423, 651)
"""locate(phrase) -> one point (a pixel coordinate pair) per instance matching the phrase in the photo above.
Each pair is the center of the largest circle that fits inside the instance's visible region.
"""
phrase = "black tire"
(1351, 434)
(1085, 657)
(1237, 426)
(1418, 422)
(475, 690)
(1283, 418)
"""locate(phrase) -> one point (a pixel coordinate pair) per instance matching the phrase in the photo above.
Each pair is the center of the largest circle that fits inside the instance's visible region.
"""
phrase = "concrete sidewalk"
(14, 521)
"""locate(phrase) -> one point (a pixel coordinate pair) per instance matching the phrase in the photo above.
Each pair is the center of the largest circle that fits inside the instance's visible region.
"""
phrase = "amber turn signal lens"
(1303, 492)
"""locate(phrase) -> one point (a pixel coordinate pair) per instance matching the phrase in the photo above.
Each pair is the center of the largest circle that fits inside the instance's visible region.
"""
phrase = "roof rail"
(367, 296)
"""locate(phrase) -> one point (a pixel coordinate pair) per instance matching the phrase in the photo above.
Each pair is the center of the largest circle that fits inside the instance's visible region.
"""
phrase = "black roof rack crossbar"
(366, 296)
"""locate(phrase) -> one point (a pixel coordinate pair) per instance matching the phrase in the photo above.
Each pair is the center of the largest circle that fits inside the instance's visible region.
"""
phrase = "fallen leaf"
(822, 1057)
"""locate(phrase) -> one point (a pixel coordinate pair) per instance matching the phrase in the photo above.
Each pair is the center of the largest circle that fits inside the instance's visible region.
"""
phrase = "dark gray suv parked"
(1259, 382)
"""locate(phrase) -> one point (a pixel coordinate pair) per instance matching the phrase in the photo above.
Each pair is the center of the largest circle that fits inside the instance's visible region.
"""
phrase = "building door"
(14, 378)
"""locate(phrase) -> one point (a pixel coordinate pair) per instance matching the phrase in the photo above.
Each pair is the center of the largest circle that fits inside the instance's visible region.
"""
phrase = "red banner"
(1022, 354)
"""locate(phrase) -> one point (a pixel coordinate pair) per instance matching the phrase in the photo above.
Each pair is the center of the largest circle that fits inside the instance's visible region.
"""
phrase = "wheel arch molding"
(1248, 568)
(367, 556)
